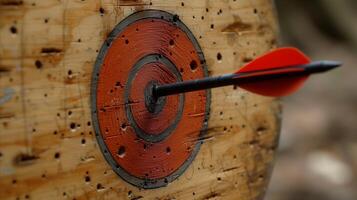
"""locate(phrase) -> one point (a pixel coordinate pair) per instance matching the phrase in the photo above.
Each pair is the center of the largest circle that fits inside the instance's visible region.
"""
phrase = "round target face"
(148, 142)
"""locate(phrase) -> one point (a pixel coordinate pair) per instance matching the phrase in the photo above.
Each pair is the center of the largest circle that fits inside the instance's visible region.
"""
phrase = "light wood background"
(47, 146)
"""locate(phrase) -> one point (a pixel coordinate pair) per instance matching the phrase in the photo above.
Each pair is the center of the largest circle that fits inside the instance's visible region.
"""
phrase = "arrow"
(279, 73)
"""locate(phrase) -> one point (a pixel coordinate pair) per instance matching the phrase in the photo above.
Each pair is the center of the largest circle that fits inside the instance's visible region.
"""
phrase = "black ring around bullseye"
(154, 107)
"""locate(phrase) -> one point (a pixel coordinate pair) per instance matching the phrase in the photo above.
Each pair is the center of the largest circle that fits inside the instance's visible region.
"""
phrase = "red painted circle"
(150, 122)
(137, 157)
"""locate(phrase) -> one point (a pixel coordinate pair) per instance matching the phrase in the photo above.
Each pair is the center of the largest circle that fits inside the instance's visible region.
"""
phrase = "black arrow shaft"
(243, 78)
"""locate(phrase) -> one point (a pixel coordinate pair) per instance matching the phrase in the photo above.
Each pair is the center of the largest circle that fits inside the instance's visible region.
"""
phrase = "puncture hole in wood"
(193, 65)
(121, 151)
(13, 29)
(219, 56)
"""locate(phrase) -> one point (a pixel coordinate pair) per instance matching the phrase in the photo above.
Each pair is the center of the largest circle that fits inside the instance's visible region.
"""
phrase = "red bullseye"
(153, 117)
(148, 142)
(155, 121)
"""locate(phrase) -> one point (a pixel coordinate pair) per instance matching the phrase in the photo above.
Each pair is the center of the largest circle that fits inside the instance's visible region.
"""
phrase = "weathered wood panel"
(47, 146)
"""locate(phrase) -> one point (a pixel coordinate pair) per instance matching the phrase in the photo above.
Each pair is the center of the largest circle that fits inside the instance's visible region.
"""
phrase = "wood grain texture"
(47, 146)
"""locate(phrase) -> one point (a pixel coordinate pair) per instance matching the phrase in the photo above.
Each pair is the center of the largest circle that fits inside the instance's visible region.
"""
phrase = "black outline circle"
(139, 182)
(152, 58)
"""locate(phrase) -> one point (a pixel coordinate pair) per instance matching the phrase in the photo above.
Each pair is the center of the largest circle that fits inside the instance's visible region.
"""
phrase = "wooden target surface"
(48, 146)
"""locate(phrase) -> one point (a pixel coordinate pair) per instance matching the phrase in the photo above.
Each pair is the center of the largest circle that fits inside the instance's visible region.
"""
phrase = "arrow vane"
(278, 73)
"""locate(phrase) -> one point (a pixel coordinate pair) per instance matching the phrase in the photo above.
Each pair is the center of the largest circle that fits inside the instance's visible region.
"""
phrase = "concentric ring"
(154, 161)
(158, 136)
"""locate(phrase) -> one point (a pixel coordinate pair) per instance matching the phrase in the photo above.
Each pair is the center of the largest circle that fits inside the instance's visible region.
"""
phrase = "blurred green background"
(317, 159)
